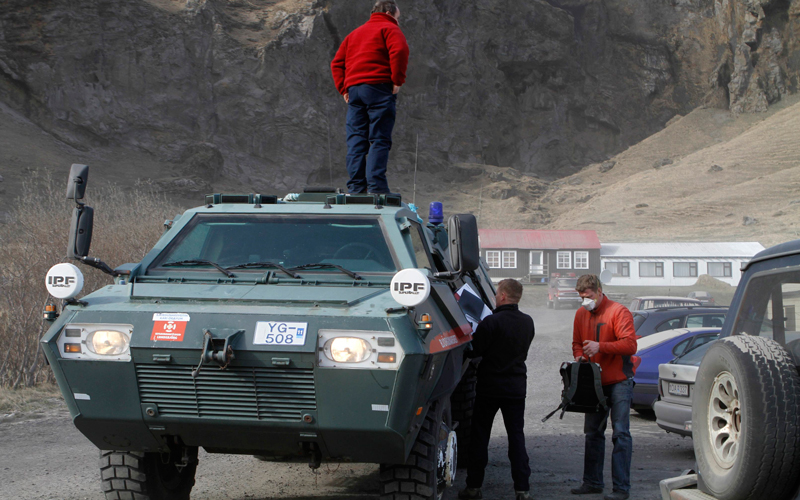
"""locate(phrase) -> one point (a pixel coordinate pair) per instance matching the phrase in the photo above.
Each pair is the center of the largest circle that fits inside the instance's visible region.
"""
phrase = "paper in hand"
(472, 306)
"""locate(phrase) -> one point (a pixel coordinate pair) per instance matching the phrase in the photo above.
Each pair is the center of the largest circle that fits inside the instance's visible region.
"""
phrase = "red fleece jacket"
(376, 52)
(610, 324)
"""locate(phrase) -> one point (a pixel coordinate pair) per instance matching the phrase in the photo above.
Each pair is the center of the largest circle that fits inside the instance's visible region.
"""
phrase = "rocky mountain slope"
(240, 90)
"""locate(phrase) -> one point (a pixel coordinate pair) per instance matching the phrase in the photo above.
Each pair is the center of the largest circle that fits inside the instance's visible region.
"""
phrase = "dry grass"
(127, 223)
(30, 399)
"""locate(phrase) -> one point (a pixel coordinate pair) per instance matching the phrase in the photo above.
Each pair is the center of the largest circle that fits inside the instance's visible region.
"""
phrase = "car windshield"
(567, 282)
(694, 356)
(638, 320)
(354, 243)
(656, 303)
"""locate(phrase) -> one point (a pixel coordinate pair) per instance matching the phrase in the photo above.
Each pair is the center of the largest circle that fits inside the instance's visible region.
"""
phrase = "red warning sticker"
(169, 327)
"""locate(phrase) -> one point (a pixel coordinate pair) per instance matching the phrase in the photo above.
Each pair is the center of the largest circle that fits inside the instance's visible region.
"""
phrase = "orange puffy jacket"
(610, 324)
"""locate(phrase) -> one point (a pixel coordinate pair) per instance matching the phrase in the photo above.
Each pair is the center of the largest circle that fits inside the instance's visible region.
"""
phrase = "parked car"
(676, 389)
(654, 302)
(660, 348)
(650, 321)
(704, 297)
(561, 291)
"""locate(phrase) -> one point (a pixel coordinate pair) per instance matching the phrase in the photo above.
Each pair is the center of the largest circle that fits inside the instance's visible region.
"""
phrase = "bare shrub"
(127, 223)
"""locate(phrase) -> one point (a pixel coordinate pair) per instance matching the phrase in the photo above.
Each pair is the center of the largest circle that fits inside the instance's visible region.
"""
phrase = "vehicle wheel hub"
(448, 455)
(724, 420)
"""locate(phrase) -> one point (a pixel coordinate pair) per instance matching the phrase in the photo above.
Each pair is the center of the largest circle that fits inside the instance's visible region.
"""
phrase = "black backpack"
(583, 390)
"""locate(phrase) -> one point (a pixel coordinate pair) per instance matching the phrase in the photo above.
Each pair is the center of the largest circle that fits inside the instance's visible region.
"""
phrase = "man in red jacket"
(603, 332)
(369, 68)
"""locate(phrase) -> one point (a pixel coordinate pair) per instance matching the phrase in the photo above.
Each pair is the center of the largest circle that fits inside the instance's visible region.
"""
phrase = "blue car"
(660, 348)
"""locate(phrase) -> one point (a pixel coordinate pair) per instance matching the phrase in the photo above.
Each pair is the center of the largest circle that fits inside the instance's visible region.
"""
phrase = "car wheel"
(418, 478)
(746, 420)
(146, 476)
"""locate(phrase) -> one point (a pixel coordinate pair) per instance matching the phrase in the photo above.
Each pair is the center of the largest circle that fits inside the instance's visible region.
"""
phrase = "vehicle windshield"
(694, 356)
(766, 298)
(354, 243)
(638, 320)
(656, 303)
(567, 283)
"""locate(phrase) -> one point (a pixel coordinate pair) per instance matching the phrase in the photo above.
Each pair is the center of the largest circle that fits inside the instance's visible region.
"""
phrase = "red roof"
(533, 239)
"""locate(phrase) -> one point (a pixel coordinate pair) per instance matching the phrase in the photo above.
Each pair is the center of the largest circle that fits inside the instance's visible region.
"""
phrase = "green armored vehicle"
(317, 327)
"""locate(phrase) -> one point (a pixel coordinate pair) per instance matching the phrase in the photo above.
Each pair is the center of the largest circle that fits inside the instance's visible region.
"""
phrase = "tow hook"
(217, 350)
(447, 456)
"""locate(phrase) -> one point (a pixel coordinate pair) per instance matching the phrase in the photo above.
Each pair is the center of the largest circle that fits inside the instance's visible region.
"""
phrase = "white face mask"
(589, 304)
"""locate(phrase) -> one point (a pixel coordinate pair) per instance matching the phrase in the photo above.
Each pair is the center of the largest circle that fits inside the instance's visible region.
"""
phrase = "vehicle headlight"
(347, 350)
(99, 342)
(358, 350)
(108, 342)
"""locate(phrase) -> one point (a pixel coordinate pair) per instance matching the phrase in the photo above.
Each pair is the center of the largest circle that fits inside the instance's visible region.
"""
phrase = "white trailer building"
(675, 264)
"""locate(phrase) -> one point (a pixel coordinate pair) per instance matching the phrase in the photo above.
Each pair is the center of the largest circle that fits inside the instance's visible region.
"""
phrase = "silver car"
(676, 388)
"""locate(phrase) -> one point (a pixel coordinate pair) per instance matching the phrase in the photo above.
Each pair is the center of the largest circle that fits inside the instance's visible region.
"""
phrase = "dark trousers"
(619, 400)
(370, 120)
(483, 415)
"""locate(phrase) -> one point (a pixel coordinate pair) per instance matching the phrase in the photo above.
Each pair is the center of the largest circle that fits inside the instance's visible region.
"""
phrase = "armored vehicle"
(316, 327)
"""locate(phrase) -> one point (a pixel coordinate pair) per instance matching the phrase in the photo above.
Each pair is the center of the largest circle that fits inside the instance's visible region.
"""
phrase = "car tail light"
(638, 337)
(636, 361)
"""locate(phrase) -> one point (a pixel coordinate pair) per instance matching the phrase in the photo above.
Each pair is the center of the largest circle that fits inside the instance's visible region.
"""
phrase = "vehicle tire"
(746, 420)
(549, 304)
(462, 403)
(417, 478)
(145, 476)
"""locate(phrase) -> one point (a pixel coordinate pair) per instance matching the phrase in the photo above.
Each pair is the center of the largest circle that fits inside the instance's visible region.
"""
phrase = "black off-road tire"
(765, 381)
(416, 479)
(143, 476)
(462, 405)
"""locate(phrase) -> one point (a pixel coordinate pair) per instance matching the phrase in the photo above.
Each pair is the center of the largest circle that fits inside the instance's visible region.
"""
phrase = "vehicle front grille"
(246, 393)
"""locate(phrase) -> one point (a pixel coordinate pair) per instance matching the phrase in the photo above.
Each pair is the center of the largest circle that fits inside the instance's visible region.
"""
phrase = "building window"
(510, 260)
(651, 269)
(619, 269)
(719, 269)
(581, 260)
(493, 259)
(564, 260)
(684, 269)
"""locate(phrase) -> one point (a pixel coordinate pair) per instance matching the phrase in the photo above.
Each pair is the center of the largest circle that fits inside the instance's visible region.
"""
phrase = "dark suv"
(650, 321)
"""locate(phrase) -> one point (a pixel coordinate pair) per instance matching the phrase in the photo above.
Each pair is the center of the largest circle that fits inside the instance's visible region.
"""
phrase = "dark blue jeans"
(619, 399)
(370, 120)
(484, 411)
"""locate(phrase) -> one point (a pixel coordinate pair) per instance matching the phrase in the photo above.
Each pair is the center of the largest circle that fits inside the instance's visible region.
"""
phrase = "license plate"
(280, 333)
(678, 389)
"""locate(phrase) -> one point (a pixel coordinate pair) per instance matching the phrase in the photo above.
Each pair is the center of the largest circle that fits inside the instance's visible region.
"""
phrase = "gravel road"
(42, 456)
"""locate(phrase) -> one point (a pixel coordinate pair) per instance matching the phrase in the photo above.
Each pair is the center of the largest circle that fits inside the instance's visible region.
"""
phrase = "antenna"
(416, 157)
(330, 160)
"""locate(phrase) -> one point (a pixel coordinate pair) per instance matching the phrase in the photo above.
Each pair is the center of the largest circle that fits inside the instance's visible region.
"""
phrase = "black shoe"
(523, 495)
(470, 493)
(617, 495)
(585, 489)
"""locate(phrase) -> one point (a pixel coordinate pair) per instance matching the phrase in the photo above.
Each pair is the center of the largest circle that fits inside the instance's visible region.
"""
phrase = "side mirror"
(462, 231)
(80, 232)
(76, 185)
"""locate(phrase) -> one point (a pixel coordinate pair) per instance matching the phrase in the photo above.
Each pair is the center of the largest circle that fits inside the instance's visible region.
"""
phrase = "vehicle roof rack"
(320, 189)
(379, 200)
(249, 199)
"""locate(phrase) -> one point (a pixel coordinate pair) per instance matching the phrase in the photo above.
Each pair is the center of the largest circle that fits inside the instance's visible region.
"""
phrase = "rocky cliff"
(242, 89)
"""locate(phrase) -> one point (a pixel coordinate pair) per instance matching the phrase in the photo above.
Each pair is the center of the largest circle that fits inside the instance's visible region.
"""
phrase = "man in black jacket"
(502, 340)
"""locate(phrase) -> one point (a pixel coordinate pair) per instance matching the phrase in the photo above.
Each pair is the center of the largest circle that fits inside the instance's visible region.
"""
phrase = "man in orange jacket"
(603, 332)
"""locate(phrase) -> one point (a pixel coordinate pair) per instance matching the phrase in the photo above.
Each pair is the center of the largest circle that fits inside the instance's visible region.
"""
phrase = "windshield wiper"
(256, 265)
(199, 262)
(326, 265)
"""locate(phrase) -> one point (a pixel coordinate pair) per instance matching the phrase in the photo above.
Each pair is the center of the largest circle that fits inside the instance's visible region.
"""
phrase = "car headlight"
(358, 349)
(347, 350)
(108, 342)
